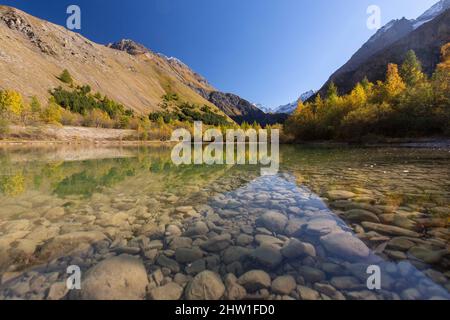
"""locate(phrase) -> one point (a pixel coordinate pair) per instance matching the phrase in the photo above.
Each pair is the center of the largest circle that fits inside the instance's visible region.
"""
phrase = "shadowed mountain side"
(426, 41)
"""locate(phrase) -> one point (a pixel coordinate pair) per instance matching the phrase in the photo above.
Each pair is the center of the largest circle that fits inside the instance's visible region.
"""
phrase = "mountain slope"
(241, 110)
(425, 35)
(34, 52)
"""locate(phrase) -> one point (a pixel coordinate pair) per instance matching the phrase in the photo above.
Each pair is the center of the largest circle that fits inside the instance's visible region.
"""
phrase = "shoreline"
(43, 143)
(419, 143)
(49, 135)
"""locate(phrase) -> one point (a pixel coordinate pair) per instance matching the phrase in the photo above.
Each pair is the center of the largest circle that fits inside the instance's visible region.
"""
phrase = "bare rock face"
(15, 21)
(118, 278)
(129, 46)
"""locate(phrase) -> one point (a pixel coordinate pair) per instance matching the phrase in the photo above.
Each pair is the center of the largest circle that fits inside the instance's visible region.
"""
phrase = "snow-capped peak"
(291, 107)
(432, 13)
(262, 108)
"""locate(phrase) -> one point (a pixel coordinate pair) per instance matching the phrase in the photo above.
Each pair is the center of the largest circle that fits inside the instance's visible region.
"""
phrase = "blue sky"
(267, 51)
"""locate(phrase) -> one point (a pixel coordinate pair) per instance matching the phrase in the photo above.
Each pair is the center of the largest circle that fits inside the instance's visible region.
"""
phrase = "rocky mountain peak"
(129, 46)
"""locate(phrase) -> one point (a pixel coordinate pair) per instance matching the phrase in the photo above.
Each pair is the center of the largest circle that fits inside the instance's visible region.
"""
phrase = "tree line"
(407, 104)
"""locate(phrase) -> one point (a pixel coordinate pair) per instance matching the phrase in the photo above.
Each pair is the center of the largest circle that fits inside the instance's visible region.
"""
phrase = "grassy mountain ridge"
(34, 52)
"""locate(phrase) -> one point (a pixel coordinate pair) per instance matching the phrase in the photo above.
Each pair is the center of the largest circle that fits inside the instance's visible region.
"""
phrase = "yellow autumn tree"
(441, 79)
(394, 84)
(300, 107)
(52, 113)
(358, 96)
(11, 102)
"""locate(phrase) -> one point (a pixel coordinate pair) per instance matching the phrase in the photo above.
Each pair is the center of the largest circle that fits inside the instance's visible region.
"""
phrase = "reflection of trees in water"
(151, 169)
(12, 185)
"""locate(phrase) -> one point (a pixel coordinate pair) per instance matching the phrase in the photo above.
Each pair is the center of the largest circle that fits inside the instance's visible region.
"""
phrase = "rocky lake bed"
(139, 227)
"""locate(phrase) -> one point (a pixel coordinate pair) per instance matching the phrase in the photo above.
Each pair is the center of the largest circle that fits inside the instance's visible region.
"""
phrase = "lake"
(316, 230)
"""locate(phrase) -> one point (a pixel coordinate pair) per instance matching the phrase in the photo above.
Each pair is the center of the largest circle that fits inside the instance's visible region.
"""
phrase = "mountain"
(34, 52)
(237, 108)
(291, 107)
(262, 108)
(425, 35)
(432, 13)
(241, 110)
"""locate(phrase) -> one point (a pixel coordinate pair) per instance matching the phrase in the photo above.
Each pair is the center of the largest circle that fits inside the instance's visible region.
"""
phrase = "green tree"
(35, 105)
(411, 69)
(66, 77)
(332, 91)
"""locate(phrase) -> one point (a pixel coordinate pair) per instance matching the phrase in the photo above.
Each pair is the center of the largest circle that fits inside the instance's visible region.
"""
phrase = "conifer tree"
(66, 77)
(411, 69)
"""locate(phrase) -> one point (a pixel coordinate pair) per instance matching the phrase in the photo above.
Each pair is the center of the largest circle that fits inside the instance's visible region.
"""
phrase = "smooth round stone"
(345, 283)
(397, 220)
(400, 243)
(187, 255)
(332, 268)
(308, 293)
(166, 262)
(389, 230)
(233, 254)
(325, 288)
(295, 226)
(295, 248)
(311, 274)
(427, 255)
(270, 240)
(206, 285)
(340, 195)
(198, 229)
(118, 278)
(170, 291)
(255, 280)
(233, 291)
(268, 256)
(321, 226)
(184, 209)
(173, 231)
(274, 221)
(244, 240)
(180, 242)
(217, 243)
(284, 285)
(196, 267)
(57, 291)
(345, 245)
(358, 215)
(55, 213)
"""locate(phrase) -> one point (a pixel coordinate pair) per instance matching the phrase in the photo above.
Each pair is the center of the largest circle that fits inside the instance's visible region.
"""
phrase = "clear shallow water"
(326, 217)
